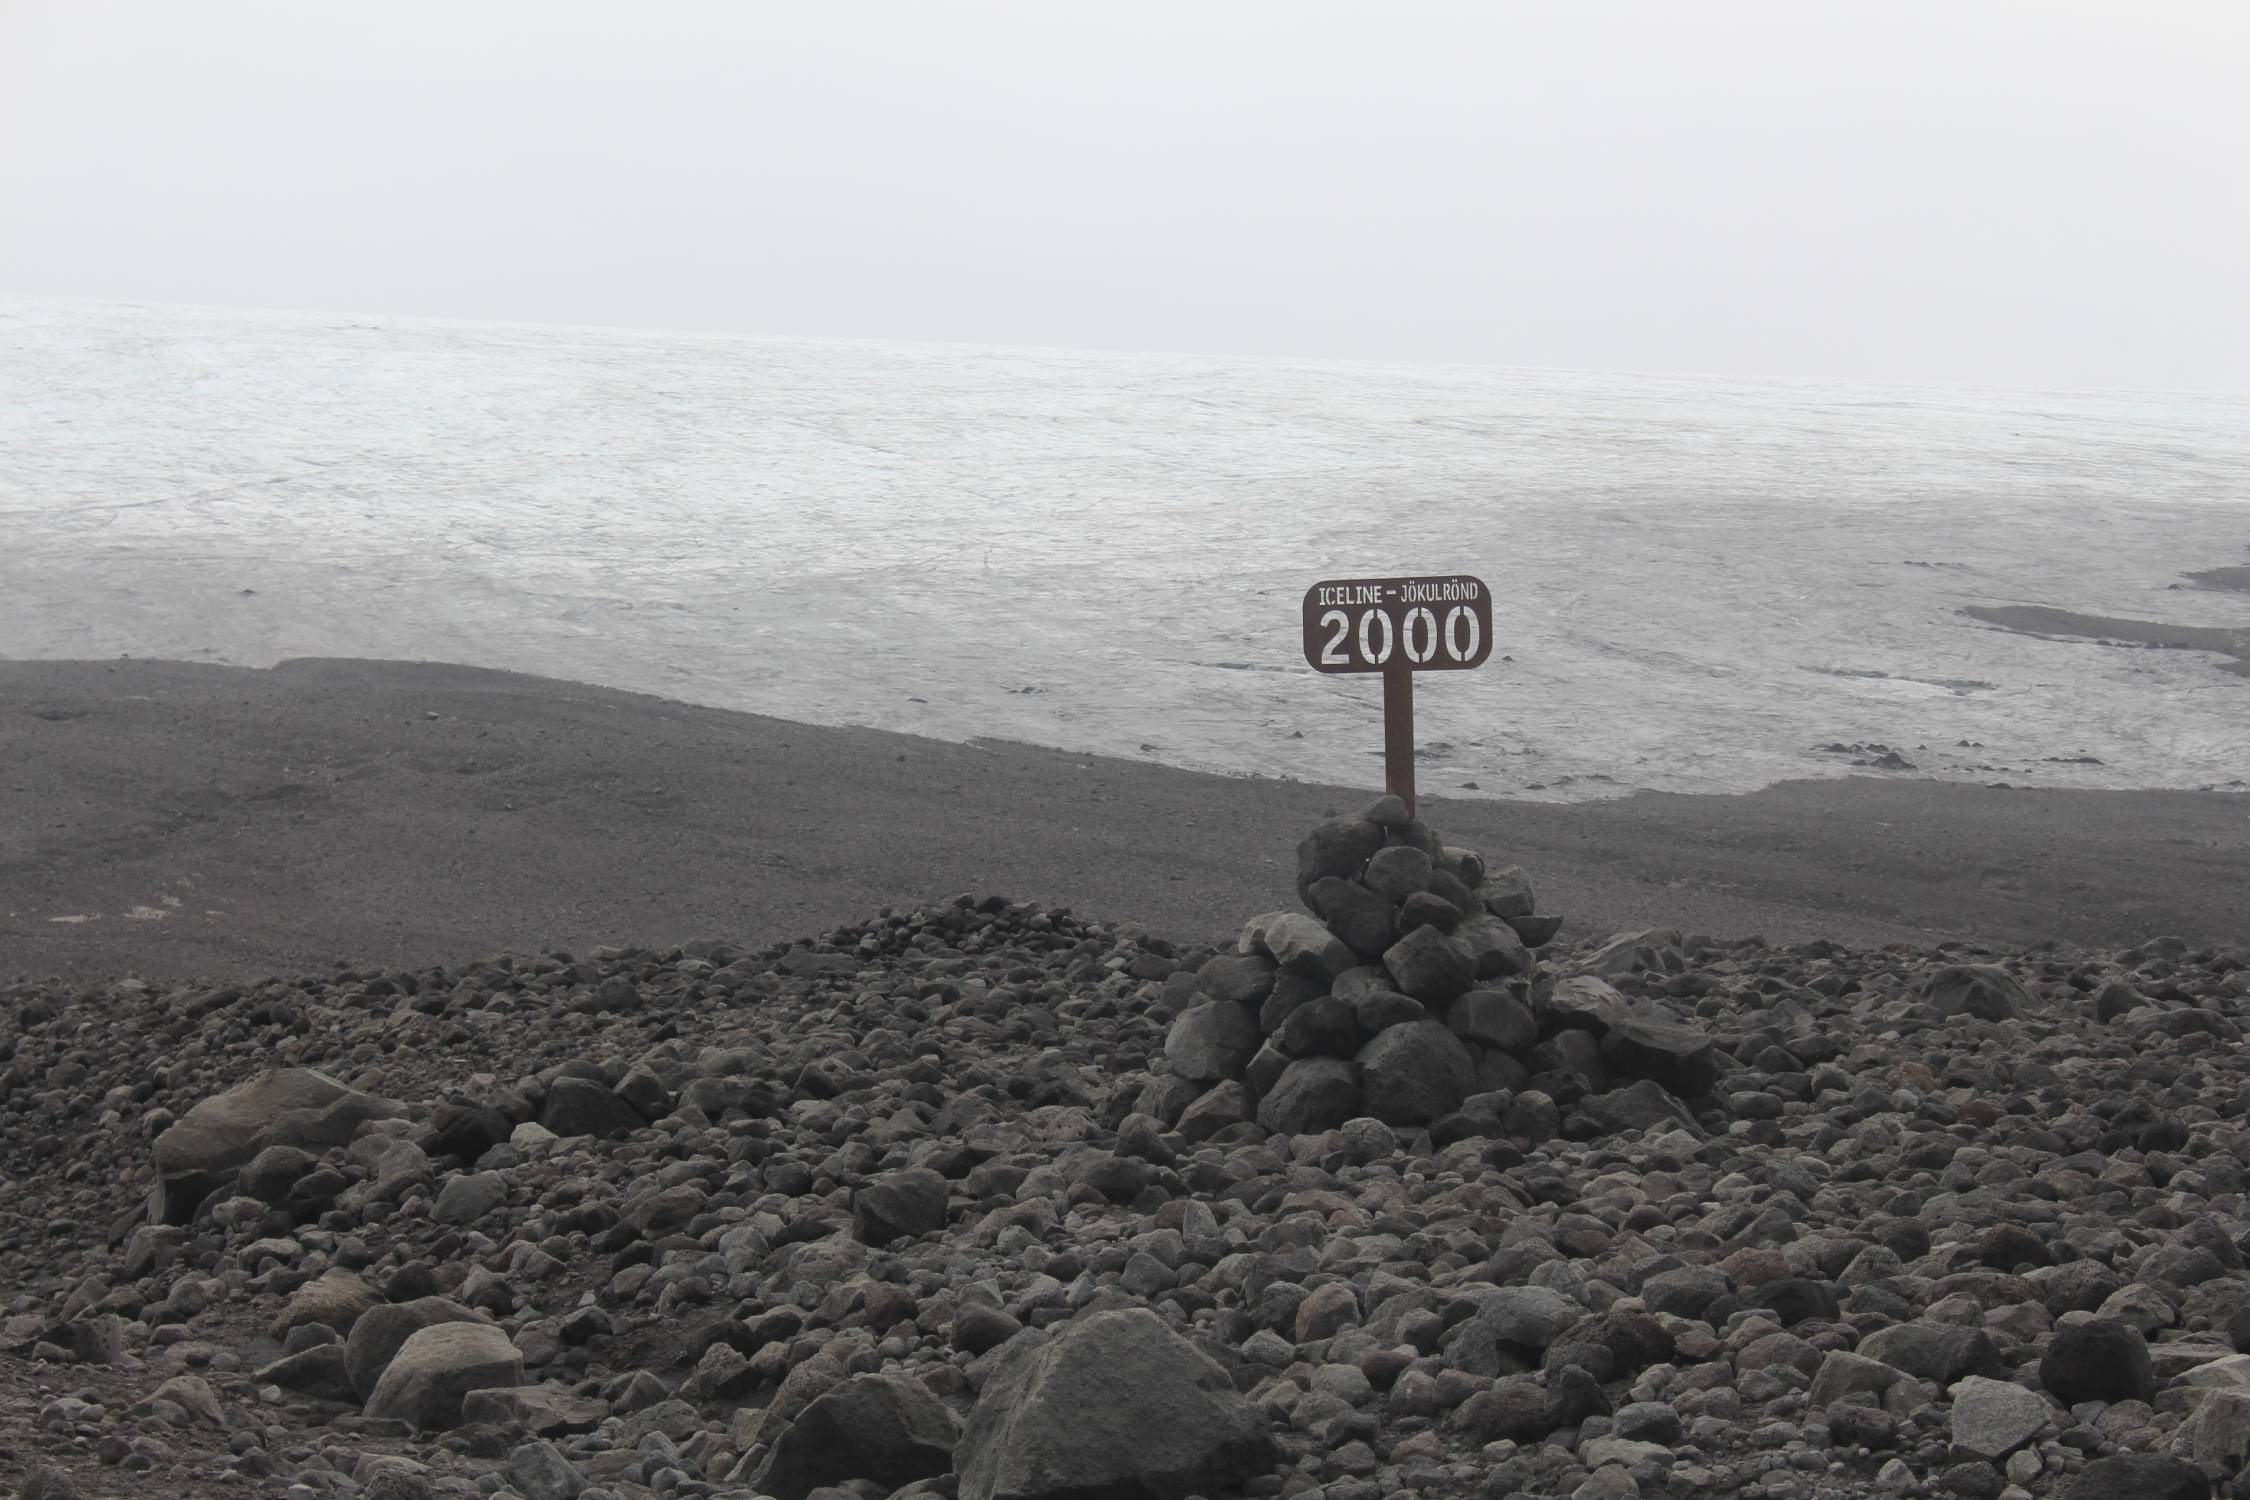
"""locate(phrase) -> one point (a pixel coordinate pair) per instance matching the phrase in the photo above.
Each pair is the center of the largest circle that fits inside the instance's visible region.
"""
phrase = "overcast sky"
(1962, 193)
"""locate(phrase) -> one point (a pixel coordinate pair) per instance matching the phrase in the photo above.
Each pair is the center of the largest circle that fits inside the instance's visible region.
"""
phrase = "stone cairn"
(1413, 996)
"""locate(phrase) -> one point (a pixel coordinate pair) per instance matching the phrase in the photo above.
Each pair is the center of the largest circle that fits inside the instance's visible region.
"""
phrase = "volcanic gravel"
(834, 1218)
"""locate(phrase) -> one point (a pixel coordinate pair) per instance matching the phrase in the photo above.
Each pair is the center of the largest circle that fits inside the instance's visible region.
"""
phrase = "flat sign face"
(1389, 624)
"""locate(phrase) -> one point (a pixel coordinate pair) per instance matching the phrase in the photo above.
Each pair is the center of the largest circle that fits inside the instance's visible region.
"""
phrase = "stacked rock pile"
(1413, 997)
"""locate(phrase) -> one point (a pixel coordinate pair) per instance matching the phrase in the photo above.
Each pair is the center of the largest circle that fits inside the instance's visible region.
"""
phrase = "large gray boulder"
(2217, 1432)
(1993, 1418)
(436, 1368)
(1312, 1095)
(1115, 1406)
(1412, 1074)
(1210, 1042)
(882, 1427)
(207, 1146)
(379, 1333)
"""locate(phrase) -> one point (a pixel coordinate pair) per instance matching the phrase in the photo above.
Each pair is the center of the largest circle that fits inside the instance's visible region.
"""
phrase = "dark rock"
(1430, 966)
(1340, 848)
(1289, 992)
(1536, 932)
(1364, 920)
(1795, 1300)
(1410, 1075)
(1615, 1345)
(1647, 1422)
(1398, 872)
(1514, 1409)
(321, 1372)
(580, 1106)
(273, 1171)
(1215, 1109)
(1326, 1027)
(1313, 1094)
(2007, 1246)
(1628, 1110)
(1428, 909)
(1687, 1292)
(2102, 1360)
(883, 1427)
(1679, 1057)
(1851, 1425)
(1492, 1018)
(1573, 1394)
(1264, 1069)
(2115, 998)
(980, 1329)
(1379, 1010)
(900, 1205)
(2139, 1476)
(1971, 1479)
(1496, 950)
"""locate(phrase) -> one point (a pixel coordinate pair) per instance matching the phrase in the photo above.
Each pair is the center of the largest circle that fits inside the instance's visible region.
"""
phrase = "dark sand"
(400, 815)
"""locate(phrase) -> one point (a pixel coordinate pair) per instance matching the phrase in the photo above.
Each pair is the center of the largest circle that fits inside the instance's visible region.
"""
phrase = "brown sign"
(1398, 624)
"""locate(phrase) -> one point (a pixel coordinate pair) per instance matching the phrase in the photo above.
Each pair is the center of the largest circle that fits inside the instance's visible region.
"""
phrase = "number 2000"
(1419, 637)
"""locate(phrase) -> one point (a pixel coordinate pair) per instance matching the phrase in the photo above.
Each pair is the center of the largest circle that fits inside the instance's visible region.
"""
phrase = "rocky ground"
(1005, 1203)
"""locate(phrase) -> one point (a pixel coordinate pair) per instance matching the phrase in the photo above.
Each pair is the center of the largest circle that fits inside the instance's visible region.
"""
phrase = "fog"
(1962, 193)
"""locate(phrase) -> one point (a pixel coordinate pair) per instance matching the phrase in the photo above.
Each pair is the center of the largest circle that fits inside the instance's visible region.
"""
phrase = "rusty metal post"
(1398, 734)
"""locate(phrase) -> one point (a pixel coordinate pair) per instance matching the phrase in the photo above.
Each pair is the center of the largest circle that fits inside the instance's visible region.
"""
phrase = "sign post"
(1398, 626)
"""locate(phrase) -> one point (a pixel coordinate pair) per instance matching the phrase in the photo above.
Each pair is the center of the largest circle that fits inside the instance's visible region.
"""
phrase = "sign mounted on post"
(1398, 626)
(1384, 624)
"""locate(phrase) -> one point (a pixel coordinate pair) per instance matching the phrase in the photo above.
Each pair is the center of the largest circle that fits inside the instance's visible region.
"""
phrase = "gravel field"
(1402, 1178)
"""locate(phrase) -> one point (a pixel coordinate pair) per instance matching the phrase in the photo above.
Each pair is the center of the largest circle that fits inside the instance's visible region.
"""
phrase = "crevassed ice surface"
(1697, 581)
